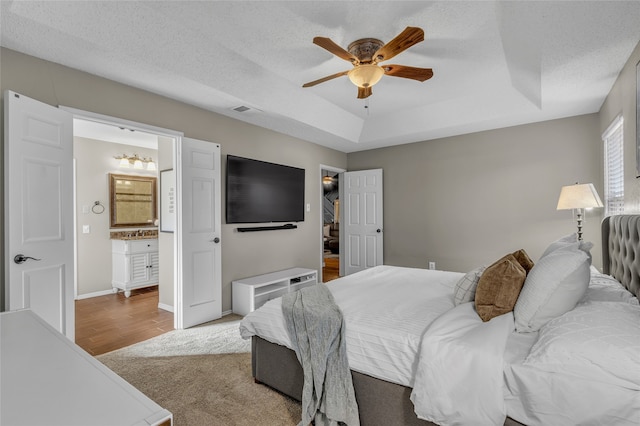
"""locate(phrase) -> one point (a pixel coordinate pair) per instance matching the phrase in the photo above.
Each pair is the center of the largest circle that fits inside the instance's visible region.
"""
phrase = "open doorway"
(49, 190)
(330, 184)
(102, 150)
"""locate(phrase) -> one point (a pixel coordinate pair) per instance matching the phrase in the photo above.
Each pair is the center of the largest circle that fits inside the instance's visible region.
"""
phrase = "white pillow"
(567, 241)
(605, 288)
(553, 286)
(562, 242)
(465, 289)
(595, 337)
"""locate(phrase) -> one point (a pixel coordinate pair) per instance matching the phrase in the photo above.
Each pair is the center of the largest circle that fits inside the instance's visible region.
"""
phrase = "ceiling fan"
(366, 53)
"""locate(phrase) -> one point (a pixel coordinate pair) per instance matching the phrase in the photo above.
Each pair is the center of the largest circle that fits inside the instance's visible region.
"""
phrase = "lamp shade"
(579, 196)
(366, 75)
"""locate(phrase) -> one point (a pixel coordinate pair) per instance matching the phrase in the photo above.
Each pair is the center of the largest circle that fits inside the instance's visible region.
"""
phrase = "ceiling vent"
(241, 108)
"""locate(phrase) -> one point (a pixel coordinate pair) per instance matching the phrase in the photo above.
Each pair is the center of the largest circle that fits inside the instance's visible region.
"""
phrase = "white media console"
(252, 292)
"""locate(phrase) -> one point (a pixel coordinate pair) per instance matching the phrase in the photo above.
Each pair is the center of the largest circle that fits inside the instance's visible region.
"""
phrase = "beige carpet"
(203, 388)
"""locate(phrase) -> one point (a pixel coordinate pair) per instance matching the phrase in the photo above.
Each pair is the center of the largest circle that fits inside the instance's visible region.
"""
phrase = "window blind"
(614, 168)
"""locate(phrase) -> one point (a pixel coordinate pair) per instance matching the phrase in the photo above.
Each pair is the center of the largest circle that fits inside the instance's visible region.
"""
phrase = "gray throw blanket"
(316, 328)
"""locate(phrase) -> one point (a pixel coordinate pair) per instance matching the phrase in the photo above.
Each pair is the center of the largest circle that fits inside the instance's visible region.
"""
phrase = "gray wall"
(465, 201)
(622, 100)
(243, 254)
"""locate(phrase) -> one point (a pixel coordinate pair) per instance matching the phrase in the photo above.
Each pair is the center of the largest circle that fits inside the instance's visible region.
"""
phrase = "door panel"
(42, 192)
(39, 210)
(44, 295)
(371, 248)
(362, 220)
(203, 266)
(199, 235)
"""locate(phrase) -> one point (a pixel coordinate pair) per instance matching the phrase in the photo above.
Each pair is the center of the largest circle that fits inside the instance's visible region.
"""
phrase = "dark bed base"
(379, 402)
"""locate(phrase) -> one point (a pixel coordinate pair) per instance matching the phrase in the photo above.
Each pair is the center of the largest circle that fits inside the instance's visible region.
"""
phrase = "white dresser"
(134, 264)
(49, 380)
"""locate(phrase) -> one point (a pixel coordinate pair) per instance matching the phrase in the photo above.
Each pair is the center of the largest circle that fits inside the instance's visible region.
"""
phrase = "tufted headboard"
(621, 250)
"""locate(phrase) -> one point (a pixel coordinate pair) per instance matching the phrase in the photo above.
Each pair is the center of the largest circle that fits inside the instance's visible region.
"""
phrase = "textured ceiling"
(495, 64)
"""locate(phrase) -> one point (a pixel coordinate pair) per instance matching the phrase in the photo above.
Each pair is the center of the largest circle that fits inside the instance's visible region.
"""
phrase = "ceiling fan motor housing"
(365, 48)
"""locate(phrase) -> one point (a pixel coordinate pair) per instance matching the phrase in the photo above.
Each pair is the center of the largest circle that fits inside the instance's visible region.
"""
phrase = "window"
(614, 168)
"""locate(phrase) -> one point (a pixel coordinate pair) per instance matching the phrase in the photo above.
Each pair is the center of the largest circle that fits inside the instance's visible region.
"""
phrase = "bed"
(402, 353)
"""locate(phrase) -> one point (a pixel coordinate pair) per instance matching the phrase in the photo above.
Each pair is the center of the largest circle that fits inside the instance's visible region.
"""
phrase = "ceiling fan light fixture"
(366, 75)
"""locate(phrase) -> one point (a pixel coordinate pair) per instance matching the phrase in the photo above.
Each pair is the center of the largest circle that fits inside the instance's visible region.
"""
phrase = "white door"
(38, 178)
(361, 220)
(198, 234)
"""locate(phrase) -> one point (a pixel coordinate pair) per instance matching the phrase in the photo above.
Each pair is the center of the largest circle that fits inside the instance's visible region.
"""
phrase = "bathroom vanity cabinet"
(134, 264)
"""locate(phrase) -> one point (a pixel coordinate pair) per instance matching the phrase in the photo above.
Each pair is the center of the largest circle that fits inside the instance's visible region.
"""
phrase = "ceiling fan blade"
(364, 92)
(403, 41)
(327, 78)
(328, 44)
(420, 74)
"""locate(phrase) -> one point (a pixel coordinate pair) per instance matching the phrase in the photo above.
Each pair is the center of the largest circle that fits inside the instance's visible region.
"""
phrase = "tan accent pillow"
(524, 260)
(499, 287)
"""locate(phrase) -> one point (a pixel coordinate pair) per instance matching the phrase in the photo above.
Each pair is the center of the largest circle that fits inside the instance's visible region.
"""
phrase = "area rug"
(217, 337)
(203, 376)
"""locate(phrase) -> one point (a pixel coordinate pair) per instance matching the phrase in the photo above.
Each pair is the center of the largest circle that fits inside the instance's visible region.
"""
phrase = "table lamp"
(578, 197)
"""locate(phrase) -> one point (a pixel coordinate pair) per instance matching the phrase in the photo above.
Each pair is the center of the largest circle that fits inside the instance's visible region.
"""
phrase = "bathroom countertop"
(134, 235)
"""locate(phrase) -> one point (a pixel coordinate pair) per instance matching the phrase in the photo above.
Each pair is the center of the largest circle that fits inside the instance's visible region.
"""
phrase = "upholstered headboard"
(621, 250)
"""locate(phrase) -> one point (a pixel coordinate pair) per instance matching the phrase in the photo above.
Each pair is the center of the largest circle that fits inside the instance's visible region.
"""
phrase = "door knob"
(21, 258)
(216, 240)
(378, 230)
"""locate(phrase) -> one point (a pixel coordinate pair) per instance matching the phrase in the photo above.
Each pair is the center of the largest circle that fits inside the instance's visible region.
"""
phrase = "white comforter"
(459, 378)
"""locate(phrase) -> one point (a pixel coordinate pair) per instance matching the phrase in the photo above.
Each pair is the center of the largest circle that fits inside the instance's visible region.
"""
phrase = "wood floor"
(331, 269)
(111, 322)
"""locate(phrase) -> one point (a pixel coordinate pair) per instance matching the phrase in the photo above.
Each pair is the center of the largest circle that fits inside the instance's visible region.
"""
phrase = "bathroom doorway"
(99, 151)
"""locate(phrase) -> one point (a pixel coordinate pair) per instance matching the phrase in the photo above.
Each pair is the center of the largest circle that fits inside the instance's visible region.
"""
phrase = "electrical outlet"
(432, 265)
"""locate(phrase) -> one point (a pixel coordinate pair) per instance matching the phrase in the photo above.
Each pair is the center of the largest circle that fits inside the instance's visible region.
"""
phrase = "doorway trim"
(159, 131)
(324, 167)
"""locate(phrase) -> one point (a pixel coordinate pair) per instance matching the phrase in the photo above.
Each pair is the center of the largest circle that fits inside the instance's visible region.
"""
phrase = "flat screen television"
(261, 192)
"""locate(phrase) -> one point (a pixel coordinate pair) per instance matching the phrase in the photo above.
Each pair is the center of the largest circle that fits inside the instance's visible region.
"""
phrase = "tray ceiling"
(496, 64)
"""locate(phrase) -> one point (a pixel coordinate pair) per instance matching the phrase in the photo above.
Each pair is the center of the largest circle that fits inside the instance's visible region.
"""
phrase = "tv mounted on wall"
(262, 192)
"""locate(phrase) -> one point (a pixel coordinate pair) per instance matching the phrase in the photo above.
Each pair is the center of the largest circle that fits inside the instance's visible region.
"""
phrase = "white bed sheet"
(387, 310)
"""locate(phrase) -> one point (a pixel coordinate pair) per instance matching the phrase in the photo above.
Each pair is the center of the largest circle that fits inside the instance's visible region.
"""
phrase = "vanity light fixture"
(136, 162)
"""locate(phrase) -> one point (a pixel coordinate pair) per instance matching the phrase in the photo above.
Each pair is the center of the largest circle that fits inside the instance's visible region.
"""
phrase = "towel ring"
(97, 207)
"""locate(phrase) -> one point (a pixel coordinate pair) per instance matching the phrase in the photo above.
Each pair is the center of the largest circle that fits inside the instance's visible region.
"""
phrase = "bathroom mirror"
(133, 200)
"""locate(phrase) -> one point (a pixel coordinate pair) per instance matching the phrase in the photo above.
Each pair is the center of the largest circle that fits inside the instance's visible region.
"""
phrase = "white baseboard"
(94, 294)
(165, 307)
